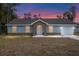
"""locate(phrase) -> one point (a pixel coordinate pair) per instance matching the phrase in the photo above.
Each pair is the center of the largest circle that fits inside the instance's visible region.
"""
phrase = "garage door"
(67, 30)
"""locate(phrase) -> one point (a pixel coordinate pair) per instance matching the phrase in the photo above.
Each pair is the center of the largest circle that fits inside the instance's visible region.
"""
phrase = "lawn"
(28, 46)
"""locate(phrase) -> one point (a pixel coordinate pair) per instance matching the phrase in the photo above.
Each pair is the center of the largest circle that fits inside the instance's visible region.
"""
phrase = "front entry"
(39, 30)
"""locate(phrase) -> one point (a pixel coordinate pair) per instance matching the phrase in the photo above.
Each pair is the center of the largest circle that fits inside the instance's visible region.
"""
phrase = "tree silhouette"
(29, 15)
(35, 17)
(59, 17)
(70, 14)
(7, 13)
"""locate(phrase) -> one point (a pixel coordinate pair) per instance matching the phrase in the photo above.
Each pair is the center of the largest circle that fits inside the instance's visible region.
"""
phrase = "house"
(77, 28)
(41, 26)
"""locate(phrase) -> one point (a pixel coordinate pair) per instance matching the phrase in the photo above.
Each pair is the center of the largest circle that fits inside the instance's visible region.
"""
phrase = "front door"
(39, 30)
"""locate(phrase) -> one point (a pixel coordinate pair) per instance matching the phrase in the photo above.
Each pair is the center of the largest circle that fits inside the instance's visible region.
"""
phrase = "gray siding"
(9, 28)
(56, 29)
(76, 29)
(20, 29)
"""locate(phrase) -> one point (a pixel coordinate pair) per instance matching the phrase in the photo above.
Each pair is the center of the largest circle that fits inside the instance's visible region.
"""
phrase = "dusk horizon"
(46, 10)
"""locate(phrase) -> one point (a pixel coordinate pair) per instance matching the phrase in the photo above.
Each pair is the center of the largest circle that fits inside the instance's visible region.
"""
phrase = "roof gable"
(38, 21)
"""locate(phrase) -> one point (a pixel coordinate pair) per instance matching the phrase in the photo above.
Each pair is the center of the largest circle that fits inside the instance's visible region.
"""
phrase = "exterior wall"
(27, 29)
(9, 28)
(77, 29)
(56, 29)
(18, 29)
(12, 29)
(53, 29)
(65, 30)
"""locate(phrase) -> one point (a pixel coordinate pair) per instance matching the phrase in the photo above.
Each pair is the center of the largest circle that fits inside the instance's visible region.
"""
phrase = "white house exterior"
(42, 26)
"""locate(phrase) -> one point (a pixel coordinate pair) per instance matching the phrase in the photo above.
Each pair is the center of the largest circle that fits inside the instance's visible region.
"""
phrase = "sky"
(46, 10)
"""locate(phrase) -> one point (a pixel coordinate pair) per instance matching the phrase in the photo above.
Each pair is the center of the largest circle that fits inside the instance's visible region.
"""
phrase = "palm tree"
(7, 14)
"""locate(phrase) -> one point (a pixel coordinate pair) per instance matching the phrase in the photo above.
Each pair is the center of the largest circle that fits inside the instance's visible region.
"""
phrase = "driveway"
(59, 36)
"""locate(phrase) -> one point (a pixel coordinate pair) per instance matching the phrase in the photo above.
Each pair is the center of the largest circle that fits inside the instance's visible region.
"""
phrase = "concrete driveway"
(58, 36)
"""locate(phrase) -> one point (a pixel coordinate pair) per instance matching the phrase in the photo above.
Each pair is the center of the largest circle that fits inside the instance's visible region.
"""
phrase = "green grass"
(28, 46)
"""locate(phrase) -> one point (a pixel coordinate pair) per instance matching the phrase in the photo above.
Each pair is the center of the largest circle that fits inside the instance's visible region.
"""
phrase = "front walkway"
(58, 36)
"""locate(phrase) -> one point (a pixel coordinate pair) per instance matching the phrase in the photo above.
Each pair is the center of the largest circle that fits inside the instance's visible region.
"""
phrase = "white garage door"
(67, 30)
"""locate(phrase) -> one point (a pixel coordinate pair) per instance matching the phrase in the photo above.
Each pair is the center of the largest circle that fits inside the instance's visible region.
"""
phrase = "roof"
(49, 21)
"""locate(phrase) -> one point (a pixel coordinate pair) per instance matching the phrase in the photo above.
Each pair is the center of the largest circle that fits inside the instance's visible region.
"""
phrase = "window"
(14, 29)
(27, 29)
(50, 29)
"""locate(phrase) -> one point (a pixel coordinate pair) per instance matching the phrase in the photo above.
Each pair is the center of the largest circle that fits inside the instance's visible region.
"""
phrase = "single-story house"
(77, 28)
(41, 26)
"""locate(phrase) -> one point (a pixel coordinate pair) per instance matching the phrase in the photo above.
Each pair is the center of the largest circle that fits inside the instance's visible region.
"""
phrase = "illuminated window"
(14, 29)
(50, 29)
(27, 29)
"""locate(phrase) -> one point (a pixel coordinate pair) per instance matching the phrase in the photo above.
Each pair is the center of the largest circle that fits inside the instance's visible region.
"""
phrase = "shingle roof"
(58, 21)
(49, 21)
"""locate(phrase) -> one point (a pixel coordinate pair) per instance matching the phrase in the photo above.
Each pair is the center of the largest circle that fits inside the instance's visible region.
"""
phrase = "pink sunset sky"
(46, 10)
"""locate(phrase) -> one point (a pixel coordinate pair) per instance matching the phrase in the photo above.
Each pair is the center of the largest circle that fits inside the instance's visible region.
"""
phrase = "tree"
(59, 17)
(25, 16)
(7, 13)
(35, 17)
(29, 15)
(70, 14)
